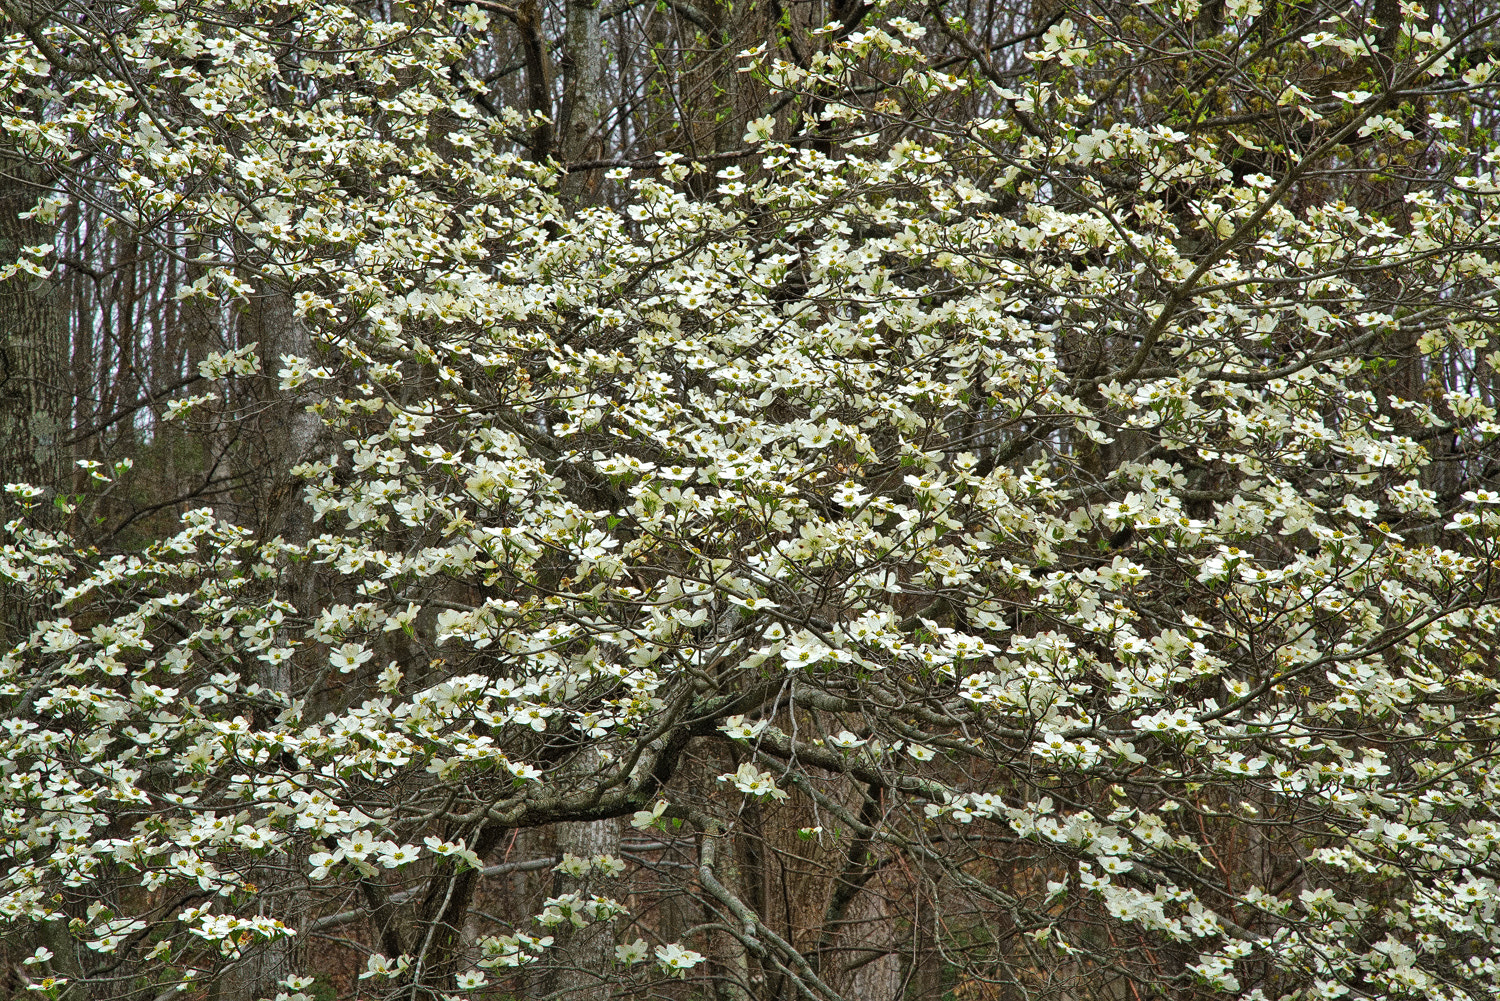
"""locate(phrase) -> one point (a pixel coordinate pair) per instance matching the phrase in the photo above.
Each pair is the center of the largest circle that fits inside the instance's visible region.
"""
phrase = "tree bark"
(583, 94)
(35, 403)
(286, 434)
(731, 955)
(588, 952)
(528, 21)
(584, 954)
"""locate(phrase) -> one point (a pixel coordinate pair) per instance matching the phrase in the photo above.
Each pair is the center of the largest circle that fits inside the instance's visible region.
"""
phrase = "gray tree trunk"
(583, 956)
(286, 435)
(730, 954)
(586, 954)
(35, 402)
(871, 927)
(582, 115)
(34, 399)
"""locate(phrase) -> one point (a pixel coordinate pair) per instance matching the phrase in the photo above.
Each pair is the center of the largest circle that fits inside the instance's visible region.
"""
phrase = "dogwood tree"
(1046, 491)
